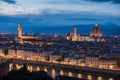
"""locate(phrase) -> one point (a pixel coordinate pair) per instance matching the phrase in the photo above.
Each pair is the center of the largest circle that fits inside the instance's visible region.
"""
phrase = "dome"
(96, 32)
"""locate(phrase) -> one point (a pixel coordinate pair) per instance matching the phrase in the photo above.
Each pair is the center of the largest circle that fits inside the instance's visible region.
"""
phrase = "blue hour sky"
(58, 16)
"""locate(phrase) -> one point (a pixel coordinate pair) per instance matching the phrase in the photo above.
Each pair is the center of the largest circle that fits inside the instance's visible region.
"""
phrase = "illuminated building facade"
(78, 37)
(19, 30)
(108, 63)
(73, 36)
(21, 37)
(98, 61)
(92, 60)
(96, 32)
(95, 35)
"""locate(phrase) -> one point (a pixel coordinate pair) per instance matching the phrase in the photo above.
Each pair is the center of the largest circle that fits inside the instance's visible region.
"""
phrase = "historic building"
(96, 32)
(92, 60)
(98, 61)
(95, 35)
(108, 63)
(73, 36)
(21, 37)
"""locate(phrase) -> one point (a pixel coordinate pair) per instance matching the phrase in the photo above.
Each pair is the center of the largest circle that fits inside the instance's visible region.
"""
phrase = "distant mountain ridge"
(108, 29)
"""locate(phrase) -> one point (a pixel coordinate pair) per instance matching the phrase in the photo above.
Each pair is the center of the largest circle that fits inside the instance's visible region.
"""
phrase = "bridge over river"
(46, 66)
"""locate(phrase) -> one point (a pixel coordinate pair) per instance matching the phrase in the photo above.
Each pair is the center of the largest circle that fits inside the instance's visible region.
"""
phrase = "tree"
(24, 74)
(60, 60)
(5, 51)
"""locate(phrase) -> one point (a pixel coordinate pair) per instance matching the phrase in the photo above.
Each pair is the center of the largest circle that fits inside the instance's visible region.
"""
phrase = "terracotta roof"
(96, 32)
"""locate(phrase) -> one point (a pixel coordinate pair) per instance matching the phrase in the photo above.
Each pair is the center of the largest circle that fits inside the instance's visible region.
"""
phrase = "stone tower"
(19, 30)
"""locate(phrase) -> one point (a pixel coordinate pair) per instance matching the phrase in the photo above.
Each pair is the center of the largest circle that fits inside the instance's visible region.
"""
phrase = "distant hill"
(109, 29)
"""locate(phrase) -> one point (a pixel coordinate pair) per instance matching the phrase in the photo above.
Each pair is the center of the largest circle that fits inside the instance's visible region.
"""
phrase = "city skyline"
(60, 39)
(54, 16)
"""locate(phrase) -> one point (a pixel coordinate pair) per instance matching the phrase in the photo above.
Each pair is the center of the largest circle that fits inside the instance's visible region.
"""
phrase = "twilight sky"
(58, 16)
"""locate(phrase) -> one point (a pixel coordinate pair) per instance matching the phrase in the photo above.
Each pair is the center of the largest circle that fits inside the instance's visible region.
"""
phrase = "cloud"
(50, 11)
(114, 1)
(58, 6)
(10, 1)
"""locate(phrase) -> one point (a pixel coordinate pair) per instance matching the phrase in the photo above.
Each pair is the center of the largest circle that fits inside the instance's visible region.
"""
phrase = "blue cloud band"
(114, 1)
(10, 1)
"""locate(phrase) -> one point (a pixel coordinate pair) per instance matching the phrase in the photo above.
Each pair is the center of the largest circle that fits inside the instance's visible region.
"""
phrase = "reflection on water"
(30, 68)
(18, 66)
(89, 77)
(111, 79)
(61, 72)
(45, 69)
(38, 68)
(79, 75)
(99, 78)
(10, 66)
(70, 74)
(54, 72)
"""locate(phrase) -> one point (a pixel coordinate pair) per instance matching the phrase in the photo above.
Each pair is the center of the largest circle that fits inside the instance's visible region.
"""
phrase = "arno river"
(54, 72)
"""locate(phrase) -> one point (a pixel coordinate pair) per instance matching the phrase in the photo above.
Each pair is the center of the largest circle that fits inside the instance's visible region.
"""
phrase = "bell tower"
(19, 30)
(74, 33)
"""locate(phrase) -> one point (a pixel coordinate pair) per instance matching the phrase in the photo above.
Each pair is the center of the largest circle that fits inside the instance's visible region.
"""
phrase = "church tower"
(19, 30)
(74, 33)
